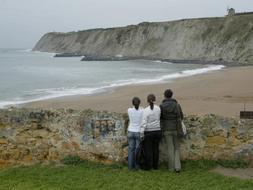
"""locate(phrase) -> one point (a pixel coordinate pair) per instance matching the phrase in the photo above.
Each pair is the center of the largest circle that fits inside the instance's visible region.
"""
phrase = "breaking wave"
(45, 94)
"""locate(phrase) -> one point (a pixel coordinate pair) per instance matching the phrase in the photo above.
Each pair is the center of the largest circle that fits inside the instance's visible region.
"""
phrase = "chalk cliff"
(228, 39)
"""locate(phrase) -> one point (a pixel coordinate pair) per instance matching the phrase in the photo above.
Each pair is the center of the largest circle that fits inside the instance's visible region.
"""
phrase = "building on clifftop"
(231, 12)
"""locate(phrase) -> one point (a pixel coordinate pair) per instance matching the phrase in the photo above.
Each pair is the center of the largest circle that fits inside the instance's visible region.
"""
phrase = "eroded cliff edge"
(228, 39)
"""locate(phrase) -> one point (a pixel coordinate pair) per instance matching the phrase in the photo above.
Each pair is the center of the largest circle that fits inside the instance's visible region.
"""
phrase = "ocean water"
(27, 76)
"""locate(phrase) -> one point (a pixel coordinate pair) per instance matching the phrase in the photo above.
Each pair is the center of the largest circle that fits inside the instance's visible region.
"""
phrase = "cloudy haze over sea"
(24, 22)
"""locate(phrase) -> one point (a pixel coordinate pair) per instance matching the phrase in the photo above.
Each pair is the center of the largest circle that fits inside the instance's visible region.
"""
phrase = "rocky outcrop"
(33, 136)
(68, 55)
(225, 39)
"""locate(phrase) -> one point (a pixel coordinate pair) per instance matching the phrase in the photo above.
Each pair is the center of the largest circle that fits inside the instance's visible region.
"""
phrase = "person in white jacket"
(151, 132)
(135, 115)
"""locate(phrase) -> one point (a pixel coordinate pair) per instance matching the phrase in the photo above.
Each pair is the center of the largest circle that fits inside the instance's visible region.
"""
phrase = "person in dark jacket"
(171, 114)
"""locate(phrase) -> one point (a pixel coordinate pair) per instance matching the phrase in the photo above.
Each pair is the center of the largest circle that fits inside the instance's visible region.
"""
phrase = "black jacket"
(171, 113)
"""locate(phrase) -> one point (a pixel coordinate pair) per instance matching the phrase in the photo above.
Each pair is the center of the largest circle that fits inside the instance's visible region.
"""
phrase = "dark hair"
(168, 93)
(136, 102)
(151, 99)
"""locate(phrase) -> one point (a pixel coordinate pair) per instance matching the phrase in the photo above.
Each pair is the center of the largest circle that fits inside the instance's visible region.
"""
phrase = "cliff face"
(229, 39)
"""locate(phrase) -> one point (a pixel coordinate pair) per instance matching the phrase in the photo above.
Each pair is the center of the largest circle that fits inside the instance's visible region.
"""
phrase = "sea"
(27, 76)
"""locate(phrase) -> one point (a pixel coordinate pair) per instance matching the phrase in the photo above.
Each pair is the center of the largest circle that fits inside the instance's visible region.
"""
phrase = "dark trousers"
(151, 148)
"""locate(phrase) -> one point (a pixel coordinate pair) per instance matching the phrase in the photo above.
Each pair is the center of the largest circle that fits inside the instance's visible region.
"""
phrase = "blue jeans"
(133, 143)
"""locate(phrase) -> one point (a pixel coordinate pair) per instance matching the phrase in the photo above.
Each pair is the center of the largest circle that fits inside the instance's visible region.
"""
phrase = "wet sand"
(223, 92)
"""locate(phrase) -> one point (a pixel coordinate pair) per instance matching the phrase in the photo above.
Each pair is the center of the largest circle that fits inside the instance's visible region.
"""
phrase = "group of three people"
(150, 125)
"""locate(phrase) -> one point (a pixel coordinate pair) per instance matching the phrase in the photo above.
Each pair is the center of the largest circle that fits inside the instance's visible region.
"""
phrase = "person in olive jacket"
(171, 114)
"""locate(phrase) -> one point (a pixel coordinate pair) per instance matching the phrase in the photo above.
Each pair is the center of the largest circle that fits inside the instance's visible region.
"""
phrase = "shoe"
(177, 171)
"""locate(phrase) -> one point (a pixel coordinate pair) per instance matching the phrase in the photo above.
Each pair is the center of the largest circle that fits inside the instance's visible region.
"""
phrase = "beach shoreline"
(224, 92)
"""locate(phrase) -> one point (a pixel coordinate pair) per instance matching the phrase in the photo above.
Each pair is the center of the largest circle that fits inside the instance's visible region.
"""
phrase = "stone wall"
(34, 136)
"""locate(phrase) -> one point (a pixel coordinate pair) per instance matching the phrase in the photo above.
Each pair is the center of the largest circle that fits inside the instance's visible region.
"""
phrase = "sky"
(23, 22)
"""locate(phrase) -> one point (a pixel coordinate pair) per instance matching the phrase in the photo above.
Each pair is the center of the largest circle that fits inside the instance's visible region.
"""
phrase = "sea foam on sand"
(62, 92)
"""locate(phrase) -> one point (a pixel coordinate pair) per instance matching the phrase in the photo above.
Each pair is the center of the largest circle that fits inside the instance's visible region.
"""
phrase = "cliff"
(32, 136)
(228, 39)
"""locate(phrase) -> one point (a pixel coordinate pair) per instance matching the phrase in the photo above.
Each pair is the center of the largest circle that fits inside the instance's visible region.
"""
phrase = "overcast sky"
(23, 22)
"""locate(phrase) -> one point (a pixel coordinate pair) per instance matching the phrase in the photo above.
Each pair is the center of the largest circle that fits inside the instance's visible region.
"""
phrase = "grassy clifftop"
(227, 39)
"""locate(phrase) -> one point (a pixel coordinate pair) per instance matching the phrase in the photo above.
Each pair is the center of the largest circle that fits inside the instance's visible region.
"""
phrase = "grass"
(233, 163)
(72, 160)
(87, 175)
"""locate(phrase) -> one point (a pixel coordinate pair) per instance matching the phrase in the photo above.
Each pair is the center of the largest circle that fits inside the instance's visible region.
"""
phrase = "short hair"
(168, 93)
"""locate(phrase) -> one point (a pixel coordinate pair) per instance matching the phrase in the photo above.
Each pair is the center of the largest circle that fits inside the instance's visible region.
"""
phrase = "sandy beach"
(223, 92)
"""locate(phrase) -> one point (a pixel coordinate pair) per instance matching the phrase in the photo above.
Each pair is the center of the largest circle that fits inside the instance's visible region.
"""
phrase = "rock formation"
(225, 39)
(34, 136)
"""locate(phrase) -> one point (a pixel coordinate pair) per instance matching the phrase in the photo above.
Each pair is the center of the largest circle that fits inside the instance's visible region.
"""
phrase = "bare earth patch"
(243, 173)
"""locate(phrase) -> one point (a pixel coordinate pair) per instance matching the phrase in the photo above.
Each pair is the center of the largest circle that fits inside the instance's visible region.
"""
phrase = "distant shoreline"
(221, 92)
(100, 90)
(137, 75)
(86, 57)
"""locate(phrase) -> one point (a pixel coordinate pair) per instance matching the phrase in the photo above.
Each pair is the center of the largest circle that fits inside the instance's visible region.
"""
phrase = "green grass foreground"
(87, 175)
